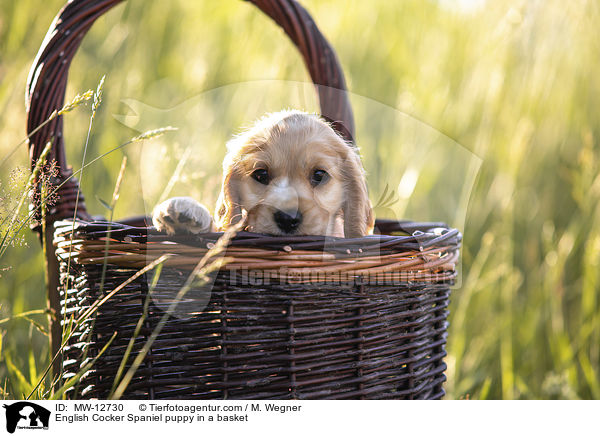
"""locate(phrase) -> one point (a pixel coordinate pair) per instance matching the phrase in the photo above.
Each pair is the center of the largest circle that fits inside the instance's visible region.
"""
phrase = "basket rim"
(418, 236)
(421, 256)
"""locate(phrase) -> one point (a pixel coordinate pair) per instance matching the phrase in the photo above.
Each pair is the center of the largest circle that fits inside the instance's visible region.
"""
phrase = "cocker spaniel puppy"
(289, 174)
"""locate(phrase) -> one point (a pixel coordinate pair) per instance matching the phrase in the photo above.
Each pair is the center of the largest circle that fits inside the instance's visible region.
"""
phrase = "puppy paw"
(182, 215)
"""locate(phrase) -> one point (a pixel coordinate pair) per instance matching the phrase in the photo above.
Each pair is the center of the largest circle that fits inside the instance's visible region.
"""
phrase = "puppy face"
(291, 174)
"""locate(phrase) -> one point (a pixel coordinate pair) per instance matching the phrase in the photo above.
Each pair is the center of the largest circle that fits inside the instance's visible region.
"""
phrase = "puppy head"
(291, 174)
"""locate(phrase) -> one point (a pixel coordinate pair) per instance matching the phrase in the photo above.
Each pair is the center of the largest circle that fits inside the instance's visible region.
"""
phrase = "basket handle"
(47, 80)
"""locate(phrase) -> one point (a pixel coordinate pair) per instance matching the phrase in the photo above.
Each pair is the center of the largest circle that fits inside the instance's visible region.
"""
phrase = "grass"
(485, 118)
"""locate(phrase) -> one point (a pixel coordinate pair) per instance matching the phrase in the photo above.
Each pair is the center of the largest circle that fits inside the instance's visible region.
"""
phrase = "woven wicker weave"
(296, 317)
(366, 318)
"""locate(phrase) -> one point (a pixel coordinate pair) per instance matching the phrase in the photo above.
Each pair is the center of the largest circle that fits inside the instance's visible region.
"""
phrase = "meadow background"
(502, 94)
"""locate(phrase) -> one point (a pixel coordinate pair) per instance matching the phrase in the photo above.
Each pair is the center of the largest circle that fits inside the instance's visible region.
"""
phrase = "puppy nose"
(287, 222)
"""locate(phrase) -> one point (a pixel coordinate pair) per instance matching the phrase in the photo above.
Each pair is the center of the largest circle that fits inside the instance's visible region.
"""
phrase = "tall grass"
(11, 225)
(513, 82)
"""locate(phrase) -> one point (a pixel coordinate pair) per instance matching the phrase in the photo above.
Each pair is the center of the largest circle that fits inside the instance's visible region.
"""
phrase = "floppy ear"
(228, 210)
(358, 214)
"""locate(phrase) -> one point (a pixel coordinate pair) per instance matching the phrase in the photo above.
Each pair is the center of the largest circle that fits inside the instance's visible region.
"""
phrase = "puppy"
(289, 174)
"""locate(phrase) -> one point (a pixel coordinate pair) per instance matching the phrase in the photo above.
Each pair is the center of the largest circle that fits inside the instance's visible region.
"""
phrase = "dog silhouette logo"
(26, 415)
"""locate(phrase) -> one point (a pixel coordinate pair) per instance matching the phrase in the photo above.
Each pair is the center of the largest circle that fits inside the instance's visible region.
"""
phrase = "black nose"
(287, 222)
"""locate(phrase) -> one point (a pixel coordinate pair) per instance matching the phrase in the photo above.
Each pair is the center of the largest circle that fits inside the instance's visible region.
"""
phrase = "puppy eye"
(318, 177)
(261, 176)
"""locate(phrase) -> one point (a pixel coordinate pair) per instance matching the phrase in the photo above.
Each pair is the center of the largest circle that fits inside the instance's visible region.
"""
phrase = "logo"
(26, 415)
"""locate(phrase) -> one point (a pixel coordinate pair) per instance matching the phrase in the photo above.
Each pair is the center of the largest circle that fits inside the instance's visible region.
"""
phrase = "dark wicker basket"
(319, 318)
(345, 318)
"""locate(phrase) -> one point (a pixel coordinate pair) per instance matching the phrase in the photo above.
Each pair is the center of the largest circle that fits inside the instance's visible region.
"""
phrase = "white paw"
(182, 215)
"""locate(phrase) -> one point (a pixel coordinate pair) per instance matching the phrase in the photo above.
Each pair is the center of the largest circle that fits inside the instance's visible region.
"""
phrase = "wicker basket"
(296, 317)
(343, 318)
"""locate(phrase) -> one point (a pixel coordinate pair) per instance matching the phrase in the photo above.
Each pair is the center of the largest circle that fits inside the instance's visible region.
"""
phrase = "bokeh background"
(479, 113)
